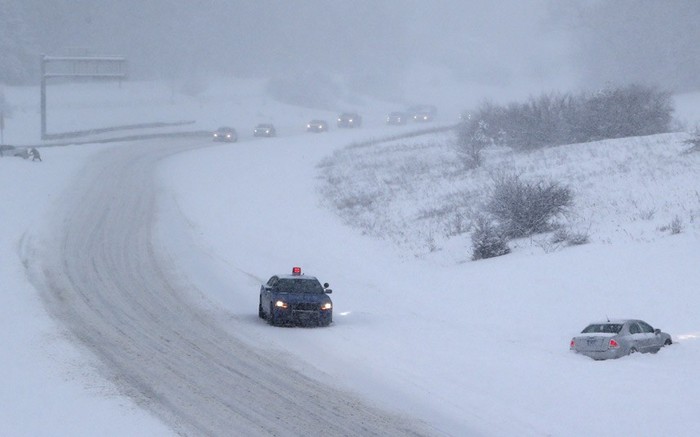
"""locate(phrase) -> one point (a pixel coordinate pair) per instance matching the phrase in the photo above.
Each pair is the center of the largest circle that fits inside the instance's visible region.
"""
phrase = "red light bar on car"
(296, 271)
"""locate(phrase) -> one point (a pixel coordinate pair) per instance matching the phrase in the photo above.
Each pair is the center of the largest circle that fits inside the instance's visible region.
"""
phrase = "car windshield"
(607, 328)
(289, 285)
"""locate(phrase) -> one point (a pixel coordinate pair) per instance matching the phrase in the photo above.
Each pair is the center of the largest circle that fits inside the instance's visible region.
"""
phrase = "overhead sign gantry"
(78, 68)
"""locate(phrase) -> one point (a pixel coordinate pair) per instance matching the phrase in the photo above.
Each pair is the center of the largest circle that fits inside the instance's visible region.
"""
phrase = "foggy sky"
(495, 42)
(266, 37)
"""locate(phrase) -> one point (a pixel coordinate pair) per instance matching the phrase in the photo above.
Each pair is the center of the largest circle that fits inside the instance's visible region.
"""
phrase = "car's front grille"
(305, 306)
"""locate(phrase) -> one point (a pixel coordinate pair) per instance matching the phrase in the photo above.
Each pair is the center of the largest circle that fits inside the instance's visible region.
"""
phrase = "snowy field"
(472, 348)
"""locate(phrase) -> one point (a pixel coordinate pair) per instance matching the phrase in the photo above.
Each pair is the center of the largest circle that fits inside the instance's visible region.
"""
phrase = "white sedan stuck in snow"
(614, 339)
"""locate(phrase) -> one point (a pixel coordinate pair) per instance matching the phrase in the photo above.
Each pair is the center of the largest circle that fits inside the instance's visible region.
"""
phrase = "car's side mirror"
(328, 290)
(657, 331)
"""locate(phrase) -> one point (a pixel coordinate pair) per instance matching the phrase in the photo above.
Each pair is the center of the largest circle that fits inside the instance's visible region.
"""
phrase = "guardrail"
(185, 134)
(411, 134)
(96, 131)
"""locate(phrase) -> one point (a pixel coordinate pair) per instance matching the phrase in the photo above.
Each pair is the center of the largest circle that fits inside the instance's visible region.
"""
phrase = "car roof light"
(296, 271)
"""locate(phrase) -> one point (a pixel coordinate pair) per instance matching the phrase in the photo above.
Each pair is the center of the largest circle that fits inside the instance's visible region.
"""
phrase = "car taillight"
(613, 344)
(572, 344)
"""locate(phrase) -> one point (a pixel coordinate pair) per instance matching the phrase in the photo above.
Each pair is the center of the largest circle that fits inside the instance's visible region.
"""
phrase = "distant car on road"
(349, 119)
(264, 130)
(295, 299)
(397, 118)
(226, 134)
(317, 126)
(422, 113)
(20, 152)
(615, 339)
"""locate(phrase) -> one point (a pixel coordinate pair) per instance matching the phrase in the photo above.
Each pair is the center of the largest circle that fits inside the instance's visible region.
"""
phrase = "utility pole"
(43, 97)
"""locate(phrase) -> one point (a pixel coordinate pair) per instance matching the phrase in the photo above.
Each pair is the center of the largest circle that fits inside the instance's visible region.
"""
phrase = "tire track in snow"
(100, 275)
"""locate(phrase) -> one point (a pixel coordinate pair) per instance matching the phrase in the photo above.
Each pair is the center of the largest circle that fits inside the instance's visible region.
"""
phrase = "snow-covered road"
(100, 273)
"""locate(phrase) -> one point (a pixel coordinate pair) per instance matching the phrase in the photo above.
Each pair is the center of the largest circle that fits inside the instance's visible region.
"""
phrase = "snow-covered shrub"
(487, 240)
(578, 238)
(563, 236)
(524, 208)
(472, 139)
(647, 214)
(559, 236)
(557, 119)
(633, 110)
(676, 225)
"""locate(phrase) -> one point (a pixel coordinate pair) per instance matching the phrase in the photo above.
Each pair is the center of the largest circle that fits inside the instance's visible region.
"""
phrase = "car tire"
(633, 350)
(271, 317)
(668, 342)
(326, 322)
(261, 313)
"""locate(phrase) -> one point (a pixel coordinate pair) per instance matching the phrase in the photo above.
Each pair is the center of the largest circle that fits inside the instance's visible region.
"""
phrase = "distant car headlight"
(228, 135)
(327, 306)
(281, 304)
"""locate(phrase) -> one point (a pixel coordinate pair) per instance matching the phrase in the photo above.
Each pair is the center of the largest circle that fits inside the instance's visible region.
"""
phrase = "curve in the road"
(100, 274)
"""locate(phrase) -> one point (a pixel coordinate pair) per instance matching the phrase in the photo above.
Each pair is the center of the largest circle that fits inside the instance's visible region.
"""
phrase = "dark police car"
(295, 299)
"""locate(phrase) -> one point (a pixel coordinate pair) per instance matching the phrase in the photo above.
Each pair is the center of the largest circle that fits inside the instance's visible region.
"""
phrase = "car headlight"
(327, 306)
(281, 304)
